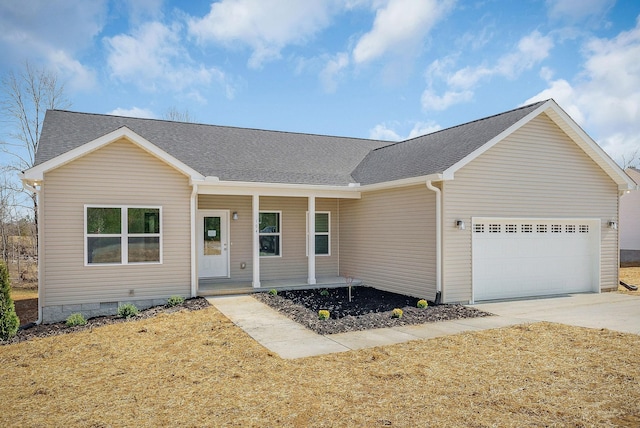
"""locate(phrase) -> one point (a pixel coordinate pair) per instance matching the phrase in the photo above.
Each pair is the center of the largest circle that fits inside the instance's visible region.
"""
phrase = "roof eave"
(404, 182)
(36, 174)
(589, 146)
(569, 127)
(215, 186)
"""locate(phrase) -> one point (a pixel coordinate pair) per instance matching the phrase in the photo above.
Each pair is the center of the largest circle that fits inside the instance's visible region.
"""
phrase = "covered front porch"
(249, 240)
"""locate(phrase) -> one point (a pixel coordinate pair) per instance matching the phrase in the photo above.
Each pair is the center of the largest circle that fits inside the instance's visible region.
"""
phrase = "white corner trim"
(37, 173)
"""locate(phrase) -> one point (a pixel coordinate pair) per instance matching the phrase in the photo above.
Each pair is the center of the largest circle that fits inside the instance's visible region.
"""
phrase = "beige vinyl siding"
(328, 266)
(240, 231)
(118, 174)
(388, 240)
(535, 172)
(293, 263)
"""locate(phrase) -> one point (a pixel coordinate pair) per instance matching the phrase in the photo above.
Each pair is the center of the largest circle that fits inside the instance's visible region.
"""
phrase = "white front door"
(213, 243)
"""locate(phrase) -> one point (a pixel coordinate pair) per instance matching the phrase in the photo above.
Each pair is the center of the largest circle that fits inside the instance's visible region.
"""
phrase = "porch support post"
(311, 241)
(256, 240)
(194, 241)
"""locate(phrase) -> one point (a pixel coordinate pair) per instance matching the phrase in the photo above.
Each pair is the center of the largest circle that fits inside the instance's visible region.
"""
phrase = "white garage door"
(534, 257)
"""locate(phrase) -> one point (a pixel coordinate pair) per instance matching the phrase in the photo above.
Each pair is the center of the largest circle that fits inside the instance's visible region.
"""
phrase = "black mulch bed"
(44, 330)
(369, 308)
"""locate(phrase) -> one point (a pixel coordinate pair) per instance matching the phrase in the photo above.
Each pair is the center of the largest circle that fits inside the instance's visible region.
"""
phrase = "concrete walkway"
(291, 340)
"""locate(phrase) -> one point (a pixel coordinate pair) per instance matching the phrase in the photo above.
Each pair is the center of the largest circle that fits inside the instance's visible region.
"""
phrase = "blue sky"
(385, 69)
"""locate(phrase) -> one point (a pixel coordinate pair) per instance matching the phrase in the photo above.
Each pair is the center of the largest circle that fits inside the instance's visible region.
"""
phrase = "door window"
(212, 243)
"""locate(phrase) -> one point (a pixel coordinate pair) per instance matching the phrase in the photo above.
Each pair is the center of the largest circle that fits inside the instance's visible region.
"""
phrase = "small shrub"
(9, 321)
(174, 301)
(324, 292)
(422, 304)
(323, 314)
(75, 320)
(273, 292)
(127, 310)
(397, 313)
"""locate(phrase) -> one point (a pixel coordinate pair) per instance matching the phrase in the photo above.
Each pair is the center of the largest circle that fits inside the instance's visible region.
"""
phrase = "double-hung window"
(270, 233)
(322, 234)
(123, 235)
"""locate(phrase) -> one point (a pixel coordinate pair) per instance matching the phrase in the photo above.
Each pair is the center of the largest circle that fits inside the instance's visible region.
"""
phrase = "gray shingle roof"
(434, 153)
(234, 154)
(238, 154)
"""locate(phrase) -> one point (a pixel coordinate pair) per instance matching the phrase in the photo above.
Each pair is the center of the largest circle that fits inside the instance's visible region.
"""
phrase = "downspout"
(35, 190)
(438, 192)
(194, 252)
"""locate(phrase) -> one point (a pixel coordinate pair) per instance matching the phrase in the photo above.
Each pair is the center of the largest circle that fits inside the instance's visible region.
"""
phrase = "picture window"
(122, 235)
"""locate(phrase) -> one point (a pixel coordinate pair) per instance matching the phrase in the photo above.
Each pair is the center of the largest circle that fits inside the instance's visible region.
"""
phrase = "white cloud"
(387, 132)
(382, 132)
(423, 128)
(153, 58)
(332, 71)
(139, 11)
(266, 26)
(432, 101)
(142, 113)
(80, 77)
(605, 97)
(398, 26)
(52, 32)
(530, 50)
(42, 24)
(577, 10)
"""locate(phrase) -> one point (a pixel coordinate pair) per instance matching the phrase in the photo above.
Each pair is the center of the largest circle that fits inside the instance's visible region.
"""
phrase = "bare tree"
(25, 98)
(631, 159)
(176, 115)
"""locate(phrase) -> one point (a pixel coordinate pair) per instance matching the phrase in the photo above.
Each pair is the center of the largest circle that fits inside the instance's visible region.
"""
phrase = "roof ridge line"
(221, 126)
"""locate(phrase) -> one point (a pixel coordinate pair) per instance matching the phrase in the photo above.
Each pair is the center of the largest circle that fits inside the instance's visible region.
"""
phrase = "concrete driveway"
(614, 311)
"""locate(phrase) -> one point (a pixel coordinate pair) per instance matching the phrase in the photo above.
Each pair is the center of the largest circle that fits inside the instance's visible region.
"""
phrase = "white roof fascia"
(211, 186)
(37, 172)
(569, 127)
(589, 146)
(401, 183)
(449, 172)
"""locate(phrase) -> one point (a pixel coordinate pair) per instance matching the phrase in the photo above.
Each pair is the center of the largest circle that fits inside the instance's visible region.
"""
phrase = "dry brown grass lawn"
(198, 369)
(630, 275)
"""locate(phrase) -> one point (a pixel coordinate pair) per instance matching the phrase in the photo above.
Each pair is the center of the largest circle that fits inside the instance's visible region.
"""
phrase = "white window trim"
(279, 234)
(320, 233)
(123, 235)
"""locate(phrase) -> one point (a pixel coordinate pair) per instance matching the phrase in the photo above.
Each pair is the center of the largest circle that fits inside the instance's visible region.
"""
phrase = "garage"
(515, 258)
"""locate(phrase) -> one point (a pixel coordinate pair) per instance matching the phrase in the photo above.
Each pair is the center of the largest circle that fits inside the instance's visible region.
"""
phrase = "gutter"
(34, 189)
(438, 192)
